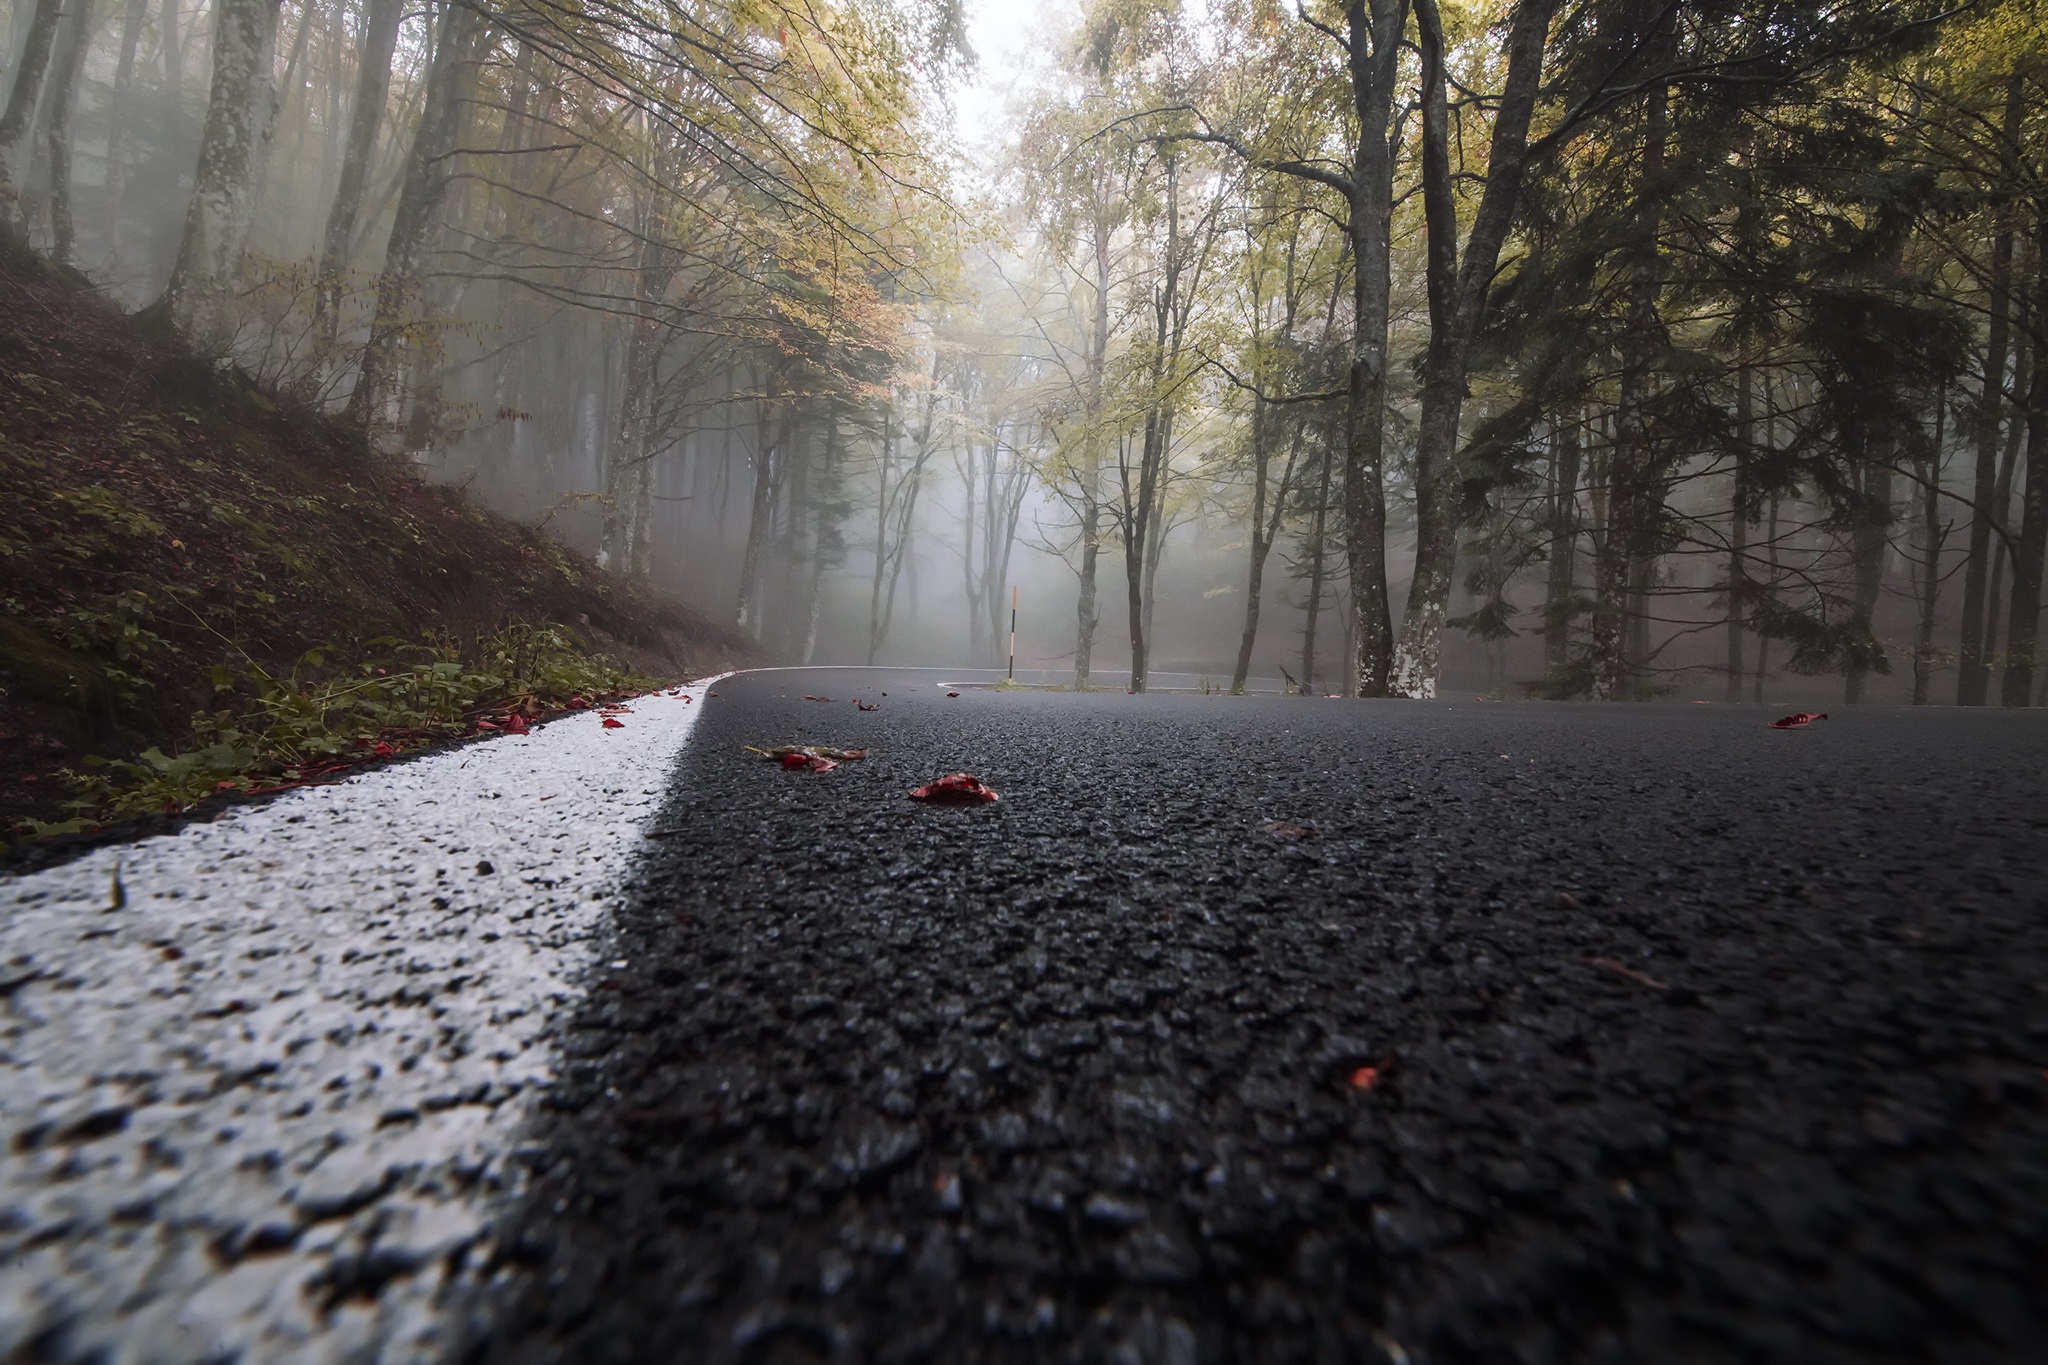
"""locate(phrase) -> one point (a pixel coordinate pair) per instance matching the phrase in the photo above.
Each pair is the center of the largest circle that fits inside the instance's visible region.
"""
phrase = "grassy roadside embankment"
(206, 593)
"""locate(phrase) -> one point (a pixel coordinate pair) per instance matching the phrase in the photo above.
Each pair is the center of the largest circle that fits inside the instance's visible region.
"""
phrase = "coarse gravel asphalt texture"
(1276, 1029)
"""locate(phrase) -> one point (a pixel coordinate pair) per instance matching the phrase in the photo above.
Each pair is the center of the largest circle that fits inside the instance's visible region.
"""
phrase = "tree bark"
(1087, 612)
(1457, 304)
(1633, 498)
(1870, 539)
(1973, 666)
(1932, 534)
(1738, 525)
(746, 614)
(71, 52)
(427, 176)
(366, 116)
(231, 149)
(1140, 501)
(1375, 28)
(1564, 543)
(2001, 510)
(18, 117)
(2016, 687)
(120, 128)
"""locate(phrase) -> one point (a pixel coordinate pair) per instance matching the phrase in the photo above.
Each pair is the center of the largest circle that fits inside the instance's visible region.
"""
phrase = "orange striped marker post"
(1013, 632)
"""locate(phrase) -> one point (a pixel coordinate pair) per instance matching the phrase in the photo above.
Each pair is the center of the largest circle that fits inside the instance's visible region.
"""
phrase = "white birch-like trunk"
(231, 147)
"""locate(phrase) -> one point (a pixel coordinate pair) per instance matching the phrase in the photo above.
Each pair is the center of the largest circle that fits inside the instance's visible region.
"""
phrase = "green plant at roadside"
(389, 697)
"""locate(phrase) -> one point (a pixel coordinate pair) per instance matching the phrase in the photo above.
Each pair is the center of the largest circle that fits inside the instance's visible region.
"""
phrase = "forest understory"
(209, 593)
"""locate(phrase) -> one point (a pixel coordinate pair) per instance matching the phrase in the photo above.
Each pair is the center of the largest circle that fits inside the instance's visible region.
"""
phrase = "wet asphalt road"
(1691, 1041)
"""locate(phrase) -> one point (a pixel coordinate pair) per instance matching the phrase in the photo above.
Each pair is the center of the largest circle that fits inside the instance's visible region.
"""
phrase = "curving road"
(1291, 1029)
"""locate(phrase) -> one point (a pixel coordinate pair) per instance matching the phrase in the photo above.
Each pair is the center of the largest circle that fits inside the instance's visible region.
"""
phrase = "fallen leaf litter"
(956, 789)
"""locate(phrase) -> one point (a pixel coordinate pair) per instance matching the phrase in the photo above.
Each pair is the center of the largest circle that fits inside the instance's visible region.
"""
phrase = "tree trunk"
(882, 510)
(18, 118)
(1255, 573)
(1140, 502)
(1457, 304)
(1973, 666)
(1932, 534)
(624, 485)
(1870, 539)
(1738, 526)
(2016, 687)
(231, 148)
(1633, 496)
(746, 613)
(1374, 59)
(172, 43)
(971, 584)
(1564, 544)
(1087, 612)
(824, 534)
(426, 178)
(2001, 510)
(120, 128)
(71, 53)
(366, 116)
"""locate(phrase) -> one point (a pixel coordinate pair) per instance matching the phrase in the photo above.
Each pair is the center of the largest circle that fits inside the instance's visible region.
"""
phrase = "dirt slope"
(160, 522)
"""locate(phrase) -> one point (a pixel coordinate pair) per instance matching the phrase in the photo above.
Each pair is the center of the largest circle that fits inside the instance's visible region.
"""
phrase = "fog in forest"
(851, 324)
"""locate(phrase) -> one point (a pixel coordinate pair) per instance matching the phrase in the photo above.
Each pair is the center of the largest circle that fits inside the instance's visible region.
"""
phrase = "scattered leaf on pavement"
(1365, 1078)
(784, 752)
(952, 694)
(614, 723)
(1798, 720)
(956, 789)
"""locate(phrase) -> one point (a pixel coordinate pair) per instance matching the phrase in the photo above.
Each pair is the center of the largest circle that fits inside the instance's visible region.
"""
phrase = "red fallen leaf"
(823, 765)
(226, 786)
(578, 704)
(1365, 1078)
(793, 761)
(817, 763)
(688, 697)
(381, 750)
(1798, 721)
(485, 725)
(809, 697)
(867, 706)
(952, 694)
(710, 694)
(614, 723)
(961, 789)
(515, 724)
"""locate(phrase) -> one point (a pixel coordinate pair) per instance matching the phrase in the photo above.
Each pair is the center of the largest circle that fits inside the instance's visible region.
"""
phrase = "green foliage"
(387, 697)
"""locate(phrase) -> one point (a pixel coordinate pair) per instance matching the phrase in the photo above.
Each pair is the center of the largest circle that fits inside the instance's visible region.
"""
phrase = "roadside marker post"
(1013, 632)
